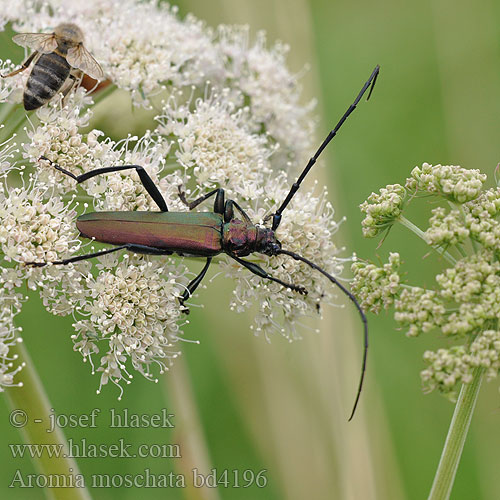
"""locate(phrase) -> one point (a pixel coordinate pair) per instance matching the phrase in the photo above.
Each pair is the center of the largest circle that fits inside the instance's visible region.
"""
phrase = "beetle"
(204, 234)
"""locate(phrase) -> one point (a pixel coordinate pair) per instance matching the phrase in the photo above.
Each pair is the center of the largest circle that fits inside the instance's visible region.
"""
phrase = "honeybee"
(56, 56)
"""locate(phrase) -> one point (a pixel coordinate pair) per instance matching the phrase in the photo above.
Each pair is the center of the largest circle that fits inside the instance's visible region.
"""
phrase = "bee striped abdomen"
(47, 77)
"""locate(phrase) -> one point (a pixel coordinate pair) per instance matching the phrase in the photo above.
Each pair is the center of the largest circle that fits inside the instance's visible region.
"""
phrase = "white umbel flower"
(229, 116)
(130, 312)
(36, 226)
(214, 140)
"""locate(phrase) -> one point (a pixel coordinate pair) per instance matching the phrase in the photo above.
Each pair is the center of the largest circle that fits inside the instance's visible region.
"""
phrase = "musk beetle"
(204, 234)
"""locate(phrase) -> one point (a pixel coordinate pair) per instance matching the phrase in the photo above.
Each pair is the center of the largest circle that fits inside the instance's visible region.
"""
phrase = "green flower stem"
(461, 250)
(459, 426)
(6, 110)
(12, 120)
(415, 229)
(101, 95)
(189, 430)
(21, 121)
(33, 401)
(78, 198)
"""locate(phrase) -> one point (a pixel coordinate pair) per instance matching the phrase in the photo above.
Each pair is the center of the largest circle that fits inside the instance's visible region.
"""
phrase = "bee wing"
(41, 42)
(79, 57)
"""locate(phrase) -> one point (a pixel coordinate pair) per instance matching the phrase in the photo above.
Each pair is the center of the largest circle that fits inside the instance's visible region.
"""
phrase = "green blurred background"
(284, 406)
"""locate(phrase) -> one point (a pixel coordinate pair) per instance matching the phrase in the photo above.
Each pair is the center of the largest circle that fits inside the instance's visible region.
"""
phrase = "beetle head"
(266, 242)
(242, 239)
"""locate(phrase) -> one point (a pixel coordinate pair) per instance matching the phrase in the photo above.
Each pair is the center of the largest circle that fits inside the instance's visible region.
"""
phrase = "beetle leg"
(241, 211)
(218, 204)
(78, 257)
(24, 65)
(256, 269)
(229, 212)
(141, 249)
(146, 180)
(146, 250)
(194, 285)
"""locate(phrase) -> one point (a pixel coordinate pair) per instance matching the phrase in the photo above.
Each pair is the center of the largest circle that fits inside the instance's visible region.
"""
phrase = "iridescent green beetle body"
(200, 234)
(185, 233)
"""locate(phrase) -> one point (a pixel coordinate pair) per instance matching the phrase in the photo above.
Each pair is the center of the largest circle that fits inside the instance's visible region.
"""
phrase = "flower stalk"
(189, 432)
(421, 234)
(29, 401)
(455, 440)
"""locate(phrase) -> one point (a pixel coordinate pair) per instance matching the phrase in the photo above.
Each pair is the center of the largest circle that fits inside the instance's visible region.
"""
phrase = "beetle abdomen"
(193, 233)
(47, 76)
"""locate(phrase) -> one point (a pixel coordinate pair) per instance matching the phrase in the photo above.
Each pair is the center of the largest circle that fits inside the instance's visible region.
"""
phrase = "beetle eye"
(275, 247)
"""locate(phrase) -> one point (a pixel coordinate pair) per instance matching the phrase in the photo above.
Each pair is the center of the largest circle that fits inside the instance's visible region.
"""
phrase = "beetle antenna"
(370, 83)
(358, 307)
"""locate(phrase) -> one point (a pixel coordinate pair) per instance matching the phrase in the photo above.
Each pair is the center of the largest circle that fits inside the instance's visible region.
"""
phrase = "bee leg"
(73, 81)
(24, 65)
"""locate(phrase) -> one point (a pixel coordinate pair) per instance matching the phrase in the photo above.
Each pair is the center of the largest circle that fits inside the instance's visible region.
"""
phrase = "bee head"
(68, 34)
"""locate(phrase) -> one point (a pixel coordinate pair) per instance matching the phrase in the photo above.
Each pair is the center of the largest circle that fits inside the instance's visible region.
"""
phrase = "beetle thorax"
(238, 238)
(241, 239)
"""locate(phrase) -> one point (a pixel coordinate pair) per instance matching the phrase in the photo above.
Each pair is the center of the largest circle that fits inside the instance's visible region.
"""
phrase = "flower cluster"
(446, 228)
(473, 285)
(376, 286)
(36, 226)
(420, 310)
(10, 90)
(465, 302)
(130, 304)
(480, 218)
(229, 114)
(448, 367)
(307, 229)
(449, 181)
(382, 209)
(273, 91)
(214, 138)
